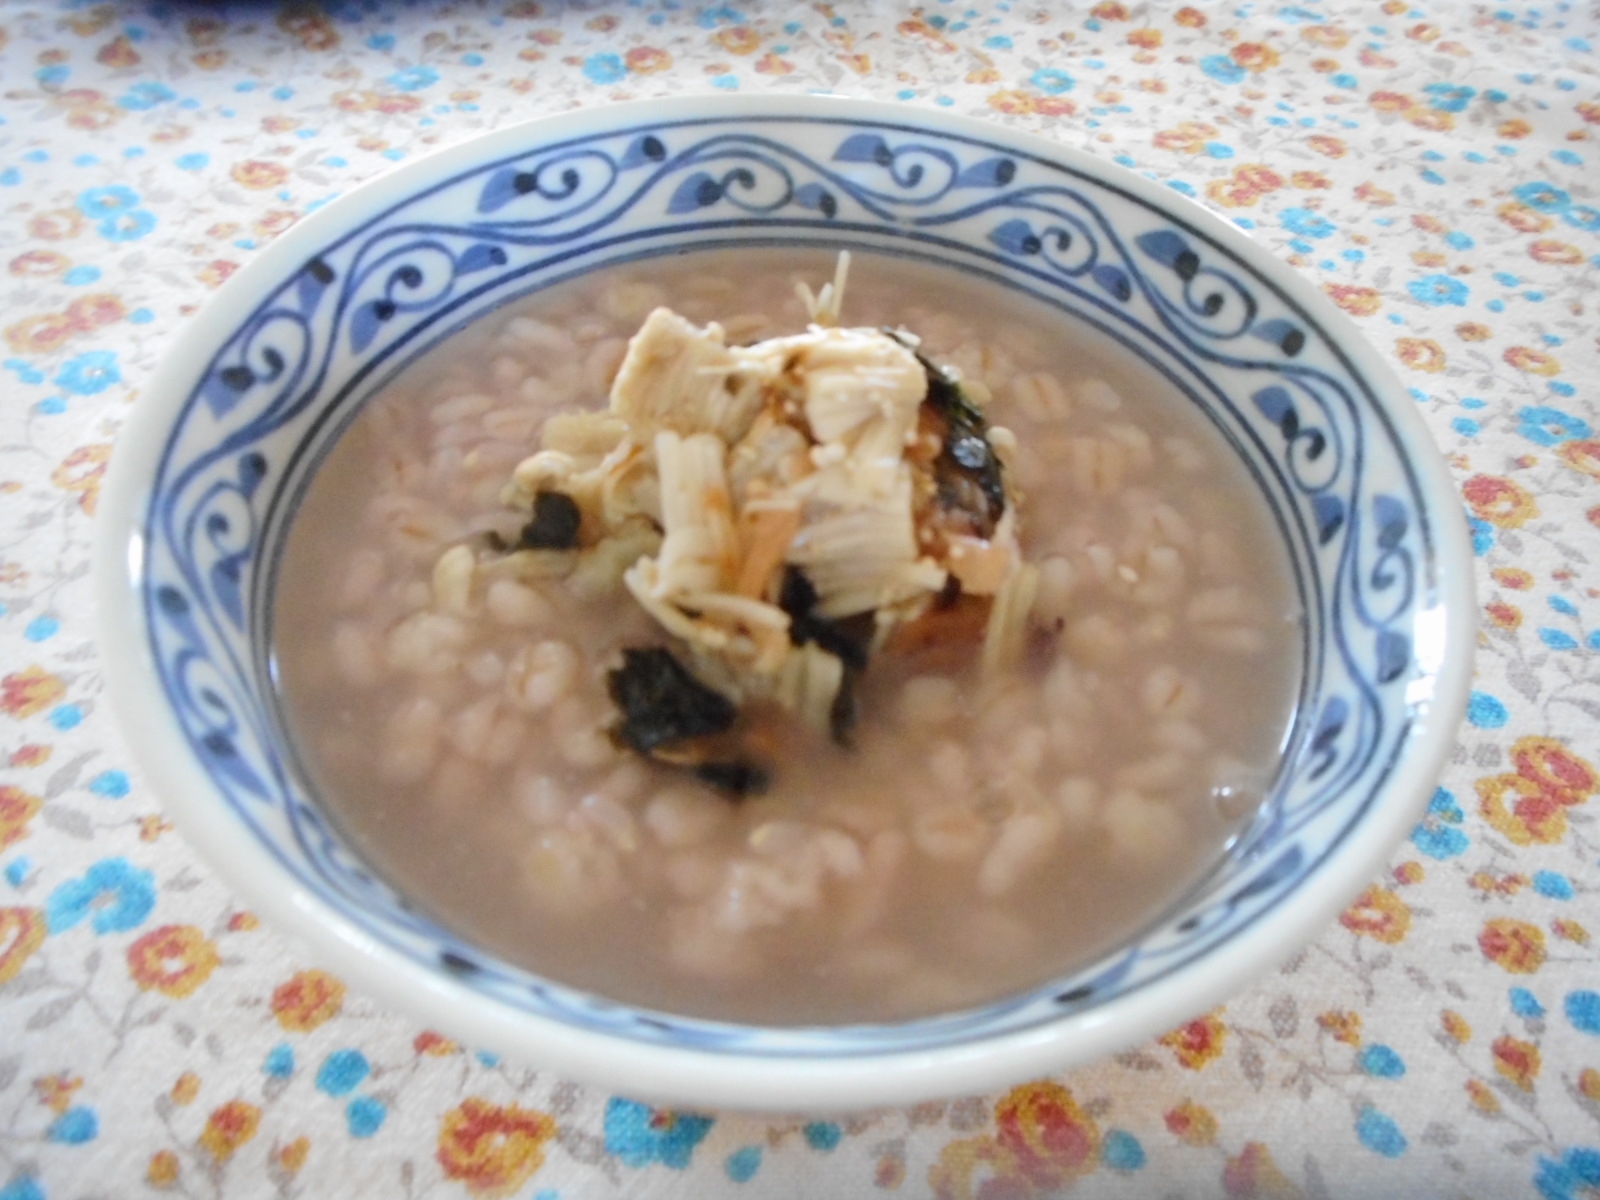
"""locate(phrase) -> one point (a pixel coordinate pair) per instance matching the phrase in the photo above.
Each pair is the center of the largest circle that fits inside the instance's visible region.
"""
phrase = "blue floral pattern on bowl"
(1359, 526)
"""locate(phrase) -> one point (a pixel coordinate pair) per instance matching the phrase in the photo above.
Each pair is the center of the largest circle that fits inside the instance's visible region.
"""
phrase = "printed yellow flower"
(228, 1127)
(163, 1169)
(1482, 1098)
(1342, 1025)
(1378, 914)
(22, 931)
(1252, 1173)
(1534, 362)
(17, 808)
(1420, 354)
(258, 175)
(1455, 1026)
(173, 960)
(307, 1000)
(492, 1149)
(1515, 946)
(1522, 218)
(976, 1169)
(1050, 1137)
(290, 1158)
(29, 691)
(186, 1088)
(1191, 1123)
(1570, 931)
(1517, 1061)
(1499, 501)
(1355, 300)
(738, 39)
(1197, 1043)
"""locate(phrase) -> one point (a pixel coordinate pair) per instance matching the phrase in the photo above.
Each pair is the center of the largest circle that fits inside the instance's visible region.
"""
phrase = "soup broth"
(981, 832)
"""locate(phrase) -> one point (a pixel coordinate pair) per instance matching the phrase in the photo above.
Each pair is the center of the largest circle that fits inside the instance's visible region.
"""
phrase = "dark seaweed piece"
(662, 702)
(737, 777)
(844, 711)
(846, 639)
(967, 471)
(554, 525)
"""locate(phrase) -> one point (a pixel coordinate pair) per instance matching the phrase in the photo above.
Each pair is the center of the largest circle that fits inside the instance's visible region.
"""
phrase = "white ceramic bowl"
(206, 473)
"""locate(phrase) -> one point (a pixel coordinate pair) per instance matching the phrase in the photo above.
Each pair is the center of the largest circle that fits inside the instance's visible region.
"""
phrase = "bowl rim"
(683, 1074)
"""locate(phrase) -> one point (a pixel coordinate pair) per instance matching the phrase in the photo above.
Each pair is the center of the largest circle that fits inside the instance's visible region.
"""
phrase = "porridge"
(792, 669)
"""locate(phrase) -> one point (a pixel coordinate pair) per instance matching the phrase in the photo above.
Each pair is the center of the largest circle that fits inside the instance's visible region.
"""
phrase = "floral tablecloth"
(1435, 169)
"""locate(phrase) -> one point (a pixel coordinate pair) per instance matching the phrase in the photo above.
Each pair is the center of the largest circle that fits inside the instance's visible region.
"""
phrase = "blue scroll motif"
(503, 227)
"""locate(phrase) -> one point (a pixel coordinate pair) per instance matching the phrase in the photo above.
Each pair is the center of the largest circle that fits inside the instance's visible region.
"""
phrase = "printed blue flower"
(1379, 1133)
(88, 373)
(103, 201)
(1564, 606)
(1486, 712)
(23, 1187)
(1574, 1176)
(743, 1163)
(41, 629)
(1121, 1151)
(1381, 1061)
(1546, 197)
(342, 1072)
(1553, 884)
(1306, 221)
(1222, 68)
(1583, 1010)
(127, 226)
(1449, 97)
(280, 1061)
(1525, 1004)
(113, 785)
(196, 161)
(604, 68)
(1557, 639)
(1439, 841)
(66, 716)
(1582, 216)
(414, 79)
(74, 1127)
(1438, 289)
(823, 1135)
(365, 1116)
(639, 1135)
(117, 893)
(1052, 81)
(1550, 426)
(146, 95)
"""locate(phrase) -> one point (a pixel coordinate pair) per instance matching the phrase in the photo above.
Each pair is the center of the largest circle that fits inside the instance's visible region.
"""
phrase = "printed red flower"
(308, 999)
(1499, 501)
(1517, 1061)
(1378, 914)
(173, 960)
(17, 808)
(228, 1127)
(28, 691)
(1514, 946)
(22, 931)
(1051, 1138)
(492, 1149)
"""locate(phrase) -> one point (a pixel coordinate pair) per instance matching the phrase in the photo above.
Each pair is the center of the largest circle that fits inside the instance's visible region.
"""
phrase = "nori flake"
(662, 702)
(967, 471)
(554, 525)
(737, 777)
(847, 640)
